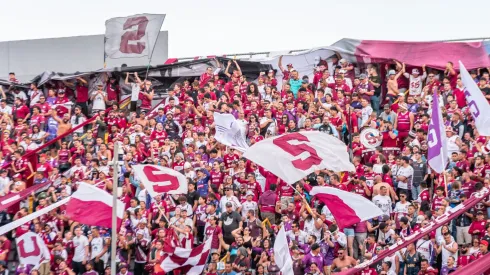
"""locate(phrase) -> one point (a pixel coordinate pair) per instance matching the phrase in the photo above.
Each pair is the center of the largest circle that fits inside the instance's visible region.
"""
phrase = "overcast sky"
(208, 27)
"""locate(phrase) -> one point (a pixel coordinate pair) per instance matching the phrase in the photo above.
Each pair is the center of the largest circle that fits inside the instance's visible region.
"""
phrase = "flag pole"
(151, 54)
(115, 172)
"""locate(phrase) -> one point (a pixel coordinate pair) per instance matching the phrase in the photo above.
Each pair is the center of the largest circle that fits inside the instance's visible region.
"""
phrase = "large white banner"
(293, 156)
(132, 36)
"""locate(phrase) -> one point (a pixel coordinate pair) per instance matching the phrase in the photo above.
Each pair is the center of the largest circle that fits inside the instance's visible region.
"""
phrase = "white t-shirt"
(98, 101)
(401, 209)
(415, 83)
(272, 126)
(135, 91)
(365, 113)
(97, 245)
(6, 110)
(81, 120)
(384, 203)
(80, 243)
(249, 205)
(234, 201)
(408, 173)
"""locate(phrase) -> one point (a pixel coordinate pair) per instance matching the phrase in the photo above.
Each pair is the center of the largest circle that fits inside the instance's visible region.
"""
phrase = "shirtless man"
(378, 183)
(64, 124)
(343, 261)
(393, 84)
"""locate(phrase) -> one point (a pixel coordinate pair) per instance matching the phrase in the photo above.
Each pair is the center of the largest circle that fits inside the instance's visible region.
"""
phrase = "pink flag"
(347, 208)
(187, 260)
(93, 206)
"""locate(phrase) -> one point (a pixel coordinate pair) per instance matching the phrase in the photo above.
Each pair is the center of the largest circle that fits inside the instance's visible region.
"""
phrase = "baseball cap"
(250, 193)
(415, 71)
(290, 65)
(362, 76)
(392, 72)
(342, 61)
(484, 242)
(229, 204)
(386, 107)
(420, 218)
(141, 232)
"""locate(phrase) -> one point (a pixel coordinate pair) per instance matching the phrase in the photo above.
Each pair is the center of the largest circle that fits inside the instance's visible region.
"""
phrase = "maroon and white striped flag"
(187, 260)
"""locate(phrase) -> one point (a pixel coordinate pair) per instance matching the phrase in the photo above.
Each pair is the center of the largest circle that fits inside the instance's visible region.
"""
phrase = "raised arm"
(227, 69)
(280, 64)
(138, 80)
(238, 67)
(82, 80)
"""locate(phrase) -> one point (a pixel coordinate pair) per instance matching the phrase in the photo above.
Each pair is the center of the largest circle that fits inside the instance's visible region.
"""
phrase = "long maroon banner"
(433, 225)
(13, 198)
(479, 266)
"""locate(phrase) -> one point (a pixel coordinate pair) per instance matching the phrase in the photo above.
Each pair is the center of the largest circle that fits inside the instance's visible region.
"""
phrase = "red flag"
(347, 208)
(93, 206)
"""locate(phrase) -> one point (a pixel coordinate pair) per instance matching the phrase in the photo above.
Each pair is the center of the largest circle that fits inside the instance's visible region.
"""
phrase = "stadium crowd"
(240, 202)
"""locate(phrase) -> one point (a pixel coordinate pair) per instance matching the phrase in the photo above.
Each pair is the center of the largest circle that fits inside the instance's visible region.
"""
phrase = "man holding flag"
(437, 152)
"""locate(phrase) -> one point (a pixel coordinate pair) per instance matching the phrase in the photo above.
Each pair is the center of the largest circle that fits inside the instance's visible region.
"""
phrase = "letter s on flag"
(283, 142)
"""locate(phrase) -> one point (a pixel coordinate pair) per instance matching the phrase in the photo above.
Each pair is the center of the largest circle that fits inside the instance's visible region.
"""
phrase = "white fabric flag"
(158, 179)
(32, 249)
(478, 104)
(132, 36)
(281, 253)
(347, 208)
(228, 132)
(293, 156)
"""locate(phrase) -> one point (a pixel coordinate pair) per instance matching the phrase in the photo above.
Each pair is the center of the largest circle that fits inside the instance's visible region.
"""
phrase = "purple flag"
(437, 153)
(477, 103)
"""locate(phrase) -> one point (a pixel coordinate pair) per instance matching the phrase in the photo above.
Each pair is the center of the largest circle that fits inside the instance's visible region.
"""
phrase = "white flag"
(132, 36)
(158, 179)
(281, 253)
(478, 104)
(228, 132)
(293, 156)
(32, 249)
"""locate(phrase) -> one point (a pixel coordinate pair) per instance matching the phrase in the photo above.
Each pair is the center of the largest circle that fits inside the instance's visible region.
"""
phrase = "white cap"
(187, 165)
(420, 218)
(415, 71)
